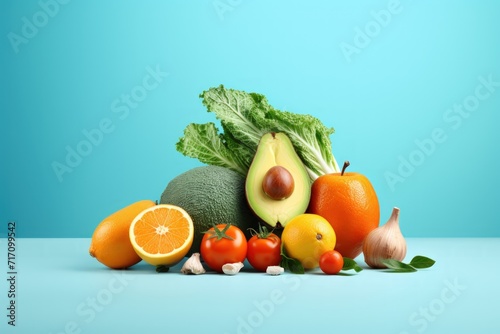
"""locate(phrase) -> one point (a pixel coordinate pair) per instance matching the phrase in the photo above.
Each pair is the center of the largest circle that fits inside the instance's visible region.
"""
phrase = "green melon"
(211, 195)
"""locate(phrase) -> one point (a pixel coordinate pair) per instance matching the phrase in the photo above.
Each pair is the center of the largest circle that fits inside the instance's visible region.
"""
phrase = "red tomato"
(223, 244)
(331, 262)
(264, 249)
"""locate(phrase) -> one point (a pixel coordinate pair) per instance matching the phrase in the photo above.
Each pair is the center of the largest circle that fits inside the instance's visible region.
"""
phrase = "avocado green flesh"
(277, 150)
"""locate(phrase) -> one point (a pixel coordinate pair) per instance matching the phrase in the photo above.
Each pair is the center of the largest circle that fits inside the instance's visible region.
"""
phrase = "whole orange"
(349, 202)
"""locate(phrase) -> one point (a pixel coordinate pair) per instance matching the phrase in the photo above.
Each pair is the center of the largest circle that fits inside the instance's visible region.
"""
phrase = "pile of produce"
(271, 193)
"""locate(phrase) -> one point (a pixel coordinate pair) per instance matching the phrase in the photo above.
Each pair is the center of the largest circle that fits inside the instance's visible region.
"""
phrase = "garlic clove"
(385, 242)
(275, 270)
(193, 265)
(232, 268)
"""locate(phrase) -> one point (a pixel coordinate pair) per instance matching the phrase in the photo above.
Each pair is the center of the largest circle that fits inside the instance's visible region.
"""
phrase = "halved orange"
(162, 234)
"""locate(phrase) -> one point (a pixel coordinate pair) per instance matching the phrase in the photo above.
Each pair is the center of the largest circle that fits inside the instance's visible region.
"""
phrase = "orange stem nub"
(346, 164)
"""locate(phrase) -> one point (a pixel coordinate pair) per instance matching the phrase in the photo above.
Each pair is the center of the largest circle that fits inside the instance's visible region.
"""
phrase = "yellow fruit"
(306, 237)
(162, 235)
(110, 243)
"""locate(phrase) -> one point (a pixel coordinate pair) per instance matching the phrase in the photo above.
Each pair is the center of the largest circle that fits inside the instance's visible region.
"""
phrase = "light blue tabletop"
(61, 289)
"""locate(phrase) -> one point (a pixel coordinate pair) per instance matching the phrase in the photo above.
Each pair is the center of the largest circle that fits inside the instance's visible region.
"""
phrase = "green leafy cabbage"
(245, 118)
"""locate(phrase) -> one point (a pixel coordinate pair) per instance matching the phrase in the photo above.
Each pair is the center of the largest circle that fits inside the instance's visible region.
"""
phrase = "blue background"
(396, 90)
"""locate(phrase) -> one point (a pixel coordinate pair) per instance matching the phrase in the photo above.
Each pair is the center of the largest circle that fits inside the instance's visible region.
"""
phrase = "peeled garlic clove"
(275, 270)
(193, 265)
(385, 242)
(232, 268)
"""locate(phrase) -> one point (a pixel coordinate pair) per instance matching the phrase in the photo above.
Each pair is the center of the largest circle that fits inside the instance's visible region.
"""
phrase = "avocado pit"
(278, 183)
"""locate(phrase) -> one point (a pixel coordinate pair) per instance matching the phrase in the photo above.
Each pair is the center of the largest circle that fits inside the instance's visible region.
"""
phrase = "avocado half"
(276, 149)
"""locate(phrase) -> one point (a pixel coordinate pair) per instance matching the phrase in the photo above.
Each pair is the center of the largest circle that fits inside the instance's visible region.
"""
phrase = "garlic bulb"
(193, 265)
(385, 242)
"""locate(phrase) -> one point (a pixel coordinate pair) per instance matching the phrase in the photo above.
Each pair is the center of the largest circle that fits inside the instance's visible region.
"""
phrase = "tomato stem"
(219, 234)
(263, 232)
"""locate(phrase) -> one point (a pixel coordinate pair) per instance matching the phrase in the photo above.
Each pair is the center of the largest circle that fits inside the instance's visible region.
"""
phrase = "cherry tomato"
(331, 262)
(223, 243)
(264, 249)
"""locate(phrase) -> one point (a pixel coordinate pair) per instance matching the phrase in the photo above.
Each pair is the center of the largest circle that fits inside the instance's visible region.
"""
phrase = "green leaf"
(243, 155)
(310, 138)
(398, 266)
(421, 262)
(351, 264)
(292, 265)
(235, 110)
(245, 118)
(203, 142)
(162, 269)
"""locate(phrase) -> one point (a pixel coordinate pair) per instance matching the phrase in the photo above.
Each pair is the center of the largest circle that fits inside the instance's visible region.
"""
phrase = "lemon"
(306, 237)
